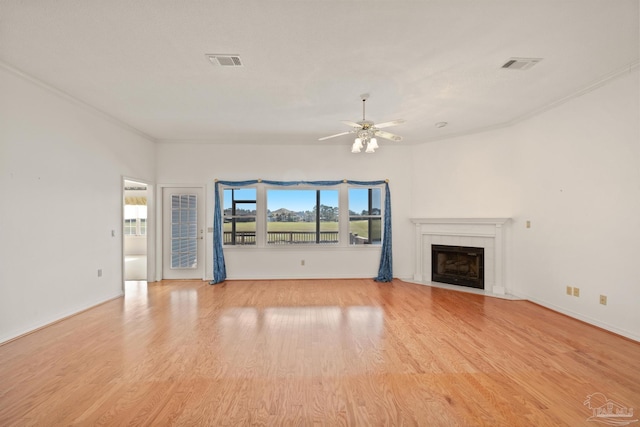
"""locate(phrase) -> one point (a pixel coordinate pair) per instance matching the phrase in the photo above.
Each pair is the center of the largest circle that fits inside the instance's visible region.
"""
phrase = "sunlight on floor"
(135, 267)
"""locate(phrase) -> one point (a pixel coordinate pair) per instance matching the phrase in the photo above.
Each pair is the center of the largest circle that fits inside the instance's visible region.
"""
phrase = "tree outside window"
(239, 224)
(365, 216)
(302, 216)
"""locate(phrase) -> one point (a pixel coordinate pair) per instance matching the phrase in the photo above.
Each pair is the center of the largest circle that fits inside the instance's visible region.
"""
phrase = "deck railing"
(242, 238)
(281, 237)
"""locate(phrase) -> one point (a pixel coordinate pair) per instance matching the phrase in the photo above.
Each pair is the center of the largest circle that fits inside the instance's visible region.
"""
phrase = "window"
(271, 215)
(302, 216)
(239, 216)
(135, 220)
(365, 216)
(130, 227)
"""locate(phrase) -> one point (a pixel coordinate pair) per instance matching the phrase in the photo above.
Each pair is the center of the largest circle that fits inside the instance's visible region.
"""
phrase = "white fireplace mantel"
(488, 233)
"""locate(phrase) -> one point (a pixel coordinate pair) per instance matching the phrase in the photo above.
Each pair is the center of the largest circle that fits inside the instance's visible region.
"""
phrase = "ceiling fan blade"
(387, 135)
(391, 123)
(337, 134)
(350, 123)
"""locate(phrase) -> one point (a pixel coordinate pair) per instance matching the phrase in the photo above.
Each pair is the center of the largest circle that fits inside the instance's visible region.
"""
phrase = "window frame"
(369, 217)
(137, 224)
(234, 217)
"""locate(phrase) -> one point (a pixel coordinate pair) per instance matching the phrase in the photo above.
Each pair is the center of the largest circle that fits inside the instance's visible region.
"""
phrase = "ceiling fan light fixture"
(371, 147)
(366, 131)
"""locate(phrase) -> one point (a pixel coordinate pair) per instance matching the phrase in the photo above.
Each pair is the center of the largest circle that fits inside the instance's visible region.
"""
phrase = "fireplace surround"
(490, 234)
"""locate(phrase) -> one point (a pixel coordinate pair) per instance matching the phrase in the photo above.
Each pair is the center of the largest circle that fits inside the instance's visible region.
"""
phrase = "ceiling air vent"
(521, 63)
(224, 60)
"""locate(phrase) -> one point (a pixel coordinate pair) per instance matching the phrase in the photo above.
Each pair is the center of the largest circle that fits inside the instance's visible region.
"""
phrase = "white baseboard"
(466, 289)
(545, 304)
(586, 319)
(14, 335)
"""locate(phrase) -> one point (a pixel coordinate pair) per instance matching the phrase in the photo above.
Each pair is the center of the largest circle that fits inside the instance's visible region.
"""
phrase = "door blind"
(184, 231)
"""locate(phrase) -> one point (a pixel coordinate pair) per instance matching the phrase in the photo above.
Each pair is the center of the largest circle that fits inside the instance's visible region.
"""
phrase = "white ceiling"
(307, 61)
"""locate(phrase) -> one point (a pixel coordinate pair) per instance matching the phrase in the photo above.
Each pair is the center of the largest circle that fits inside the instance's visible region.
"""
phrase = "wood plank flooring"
(314, 352)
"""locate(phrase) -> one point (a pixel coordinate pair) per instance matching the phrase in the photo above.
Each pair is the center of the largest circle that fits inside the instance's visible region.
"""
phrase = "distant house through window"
(302, 216)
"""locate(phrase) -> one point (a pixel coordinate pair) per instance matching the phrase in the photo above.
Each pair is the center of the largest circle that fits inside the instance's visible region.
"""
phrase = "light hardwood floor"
(314, 352)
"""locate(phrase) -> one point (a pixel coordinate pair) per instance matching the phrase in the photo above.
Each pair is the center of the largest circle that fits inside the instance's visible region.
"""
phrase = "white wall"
(58, 157)
(574, 172)
(201, 164)
(135, 245)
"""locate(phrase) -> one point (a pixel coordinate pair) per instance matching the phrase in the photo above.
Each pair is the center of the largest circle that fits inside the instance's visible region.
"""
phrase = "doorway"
(135, 230)
(182, 233)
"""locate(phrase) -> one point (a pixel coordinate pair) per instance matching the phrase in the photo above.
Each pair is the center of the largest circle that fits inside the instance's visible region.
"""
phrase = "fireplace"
(491, 234)
(458, 265)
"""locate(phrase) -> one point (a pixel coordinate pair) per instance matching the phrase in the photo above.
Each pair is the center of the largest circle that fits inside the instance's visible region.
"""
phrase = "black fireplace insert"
(458, 265)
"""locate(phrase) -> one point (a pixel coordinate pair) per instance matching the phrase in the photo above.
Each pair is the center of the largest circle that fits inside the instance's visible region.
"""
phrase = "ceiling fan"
(367, 131)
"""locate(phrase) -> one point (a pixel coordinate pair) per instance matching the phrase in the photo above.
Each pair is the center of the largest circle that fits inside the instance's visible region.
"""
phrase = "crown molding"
(602, 81)
(74, 100)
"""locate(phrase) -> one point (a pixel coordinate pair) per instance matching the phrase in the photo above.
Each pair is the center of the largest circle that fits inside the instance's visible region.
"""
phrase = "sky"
(299, 200)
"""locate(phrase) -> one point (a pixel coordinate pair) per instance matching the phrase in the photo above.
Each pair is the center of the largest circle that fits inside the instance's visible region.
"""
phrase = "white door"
(182, 233)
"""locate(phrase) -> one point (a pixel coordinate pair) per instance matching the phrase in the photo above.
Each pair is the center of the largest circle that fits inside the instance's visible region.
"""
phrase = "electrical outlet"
(302, 262)
(603, 299)
(569, 290)
(576, 292)
(99, 272)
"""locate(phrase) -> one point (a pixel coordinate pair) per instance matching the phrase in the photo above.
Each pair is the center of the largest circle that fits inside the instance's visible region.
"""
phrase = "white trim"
(465, 289)
(76, 101)
(595, 84)
(486, 233)
(151, 230)
(58, 317)
(159, 227)
(586, 319)
(599, 82)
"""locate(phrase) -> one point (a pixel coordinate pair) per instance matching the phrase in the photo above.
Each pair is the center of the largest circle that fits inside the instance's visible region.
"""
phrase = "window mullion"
(234, 219)
(317, 216)
(239, 212)
(344, 218)
(261, 216)
(369, 221)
